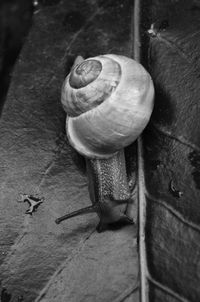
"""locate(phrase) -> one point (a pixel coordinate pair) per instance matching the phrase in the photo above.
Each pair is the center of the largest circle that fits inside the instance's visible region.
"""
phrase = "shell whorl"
(84, 73)
(89, 84)
(109, 100)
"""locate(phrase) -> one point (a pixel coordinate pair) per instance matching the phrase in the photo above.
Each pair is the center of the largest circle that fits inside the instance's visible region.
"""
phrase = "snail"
(108, 100)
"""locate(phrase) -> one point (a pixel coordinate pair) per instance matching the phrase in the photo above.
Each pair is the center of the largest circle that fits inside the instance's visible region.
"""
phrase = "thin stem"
(141, 181)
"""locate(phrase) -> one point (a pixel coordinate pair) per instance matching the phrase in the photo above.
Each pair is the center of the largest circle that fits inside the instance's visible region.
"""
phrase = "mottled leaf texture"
(41, 261)
(172, 153)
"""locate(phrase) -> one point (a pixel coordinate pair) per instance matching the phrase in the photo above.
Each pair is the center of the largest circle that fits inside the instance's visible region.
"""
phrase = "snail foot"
(101, 227)
(115, 225)
(128, 220)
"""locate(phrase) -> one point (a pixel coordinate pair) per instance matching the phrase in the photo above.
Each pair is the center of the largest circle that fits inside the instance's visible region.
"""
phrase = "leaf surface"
(71, 262)
(171, 154)
(39, 259)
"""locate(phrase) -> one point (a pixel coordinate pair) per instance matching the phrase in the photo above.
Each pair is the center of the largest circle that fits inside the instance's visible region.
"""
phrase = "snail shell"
(109, 101)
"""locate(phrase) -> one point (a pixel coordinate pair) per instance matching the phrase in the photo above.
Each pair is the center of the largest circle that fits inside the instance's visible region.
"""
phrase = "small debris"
(35, 3)
(152, 31)
(175, 192)
(33, 201)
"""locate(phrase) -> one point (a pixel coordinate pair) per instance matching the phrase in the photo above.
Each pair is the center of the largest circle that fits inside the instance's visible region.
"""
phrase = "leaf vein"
(174, 212)
(180, 139)
(167, 290)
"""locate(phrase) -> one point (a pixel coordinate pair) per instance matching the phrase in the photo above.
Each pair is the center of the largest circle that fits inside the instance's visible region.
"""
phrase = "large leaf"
(45, 262)
(39, 259)
(172, 153)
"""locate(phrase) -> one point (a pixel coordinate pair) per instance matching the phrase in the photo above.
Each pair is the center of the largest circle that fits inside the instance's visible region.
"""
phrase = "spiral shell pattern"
(109, 101)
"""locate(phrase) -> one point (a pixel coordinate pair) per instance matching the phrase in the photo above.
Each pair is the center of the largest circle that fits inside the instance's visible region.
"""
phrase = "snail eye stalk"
(83, 211)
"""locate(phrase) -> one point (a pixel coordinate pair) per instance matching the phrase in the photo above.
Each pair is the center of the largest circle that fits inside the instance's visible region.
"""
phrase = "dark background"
(15, 23)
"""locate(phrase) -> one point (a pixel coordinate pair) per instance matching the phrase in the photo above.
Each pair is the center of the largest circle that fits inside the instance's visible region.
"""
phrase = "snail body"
(109, 101)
